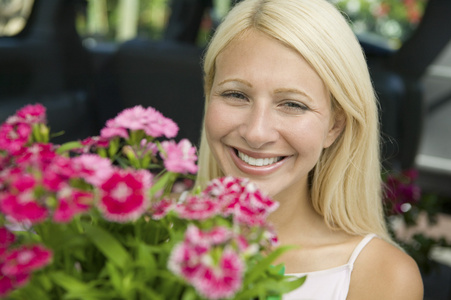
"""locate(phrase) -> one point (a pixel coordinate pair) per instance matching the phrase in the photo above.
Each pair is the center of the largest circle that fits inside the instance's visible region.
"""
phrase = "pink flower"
(14, 137)
(224, 279)
(212, 276)
(242, 200)
(70, 203)
(112, 132)
(161, 208)
(26, 259)
(93, 168)
(157, 125)
(94, 142)
(197, 208)
(37, 155)
(32, 114)
(6, 239)
(23, 207)
(179, 158)
(215, 236)
(9, 283)
(57, 173)
(123, 197)
(19, 202)
(134, 118)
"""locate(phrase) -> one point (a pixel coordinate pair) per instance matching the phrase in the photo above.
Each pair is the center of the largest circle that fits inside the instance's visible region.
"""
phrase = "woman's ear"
(337, 126)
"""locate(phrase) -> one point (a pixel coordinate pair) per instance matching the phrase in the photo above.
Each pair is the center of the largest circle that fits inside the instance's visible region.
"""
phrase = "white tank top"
(329, 284)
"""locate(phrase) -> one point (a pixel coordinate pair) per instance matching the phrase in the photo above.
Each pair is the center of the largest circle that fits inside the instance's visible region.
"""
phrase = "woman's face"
(269, 115)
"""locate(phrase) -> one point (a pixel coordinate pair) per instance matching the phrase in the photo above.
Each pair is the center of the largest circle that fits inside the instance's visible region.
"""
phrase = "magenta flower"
(401, 189)
(14, 137)
(93, 142)
(93, 168)
(6, 239)
(179, 158)
(161, 208)
(70, 203)
(37, 155)
(30, 114)
(123, 197)
(26, 259)
(212, 276)
(23, 207)
(20, 202)
(198, 208)
(242, 200)
(9, 283)
(224, 279)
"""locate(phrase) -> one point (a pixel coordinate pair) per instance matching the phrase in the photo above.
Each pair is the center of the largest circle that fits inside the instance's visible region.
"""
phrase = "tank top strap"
(360, 247)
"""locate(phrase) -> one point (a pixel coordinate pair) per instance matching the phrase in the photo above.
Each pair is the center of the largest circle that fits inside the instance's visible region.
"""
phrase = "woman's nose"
(259, 128)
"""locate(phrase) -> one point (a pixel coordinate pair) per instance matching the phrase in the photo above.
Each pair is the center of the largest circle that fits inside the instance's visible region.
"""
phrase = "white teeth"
(259, 162)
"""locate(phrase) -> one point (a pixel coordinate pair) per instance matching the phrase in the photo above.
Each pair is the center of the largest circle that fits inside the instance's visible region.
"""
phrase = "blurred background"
(86, 60)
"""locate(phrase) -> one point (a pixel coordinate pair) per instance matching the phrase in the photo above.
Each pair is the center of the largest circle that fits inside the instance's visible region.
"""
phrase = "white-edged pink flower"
(14, 137)
(124, 196)
(23, 207)
(93, 168)
(31, 114)
(70, 203)
(197, 208)
(222, 280)
(19, 202)
(213, 276)
(179, 158)
(6, 239)
(9, 283)
(242, 200)
(26, 259)
(161, 208)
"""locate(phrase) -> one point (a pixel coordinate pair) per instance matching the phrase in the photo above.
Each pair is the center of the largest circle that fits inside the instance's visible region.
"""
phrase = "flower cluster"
(401, 191)
(98, 218)
(213, 259)
(17, 264)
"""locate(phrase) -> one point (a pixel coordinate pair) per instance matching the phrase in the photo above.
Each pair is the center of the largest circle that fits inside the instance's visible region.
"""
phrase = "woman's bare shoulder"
(382, 271)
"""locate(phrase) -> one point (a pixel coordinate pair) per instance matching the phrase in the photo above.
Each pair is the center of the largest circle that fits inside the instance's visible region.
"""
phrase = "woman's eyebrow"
(292, 91)
(236, 80)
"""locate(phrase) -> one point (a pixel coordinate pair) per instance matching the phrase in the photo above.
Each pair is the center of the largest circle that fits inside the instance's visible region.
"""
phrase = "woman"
(290, 105)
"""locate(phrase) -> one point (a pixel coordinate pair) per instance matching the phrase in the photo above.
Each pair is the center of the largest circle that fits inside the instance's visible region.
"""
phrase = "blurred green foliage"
(393, 20)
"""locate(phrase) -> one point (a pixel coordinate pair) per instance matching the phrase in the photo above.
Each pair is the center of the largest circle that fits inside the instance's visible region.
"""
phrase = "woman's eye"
(234, 95)
(295, 106)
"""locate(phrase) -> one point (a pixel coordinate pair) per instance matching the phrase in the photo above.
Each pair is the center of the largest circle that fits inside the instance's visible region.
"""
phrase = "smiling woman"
(290, 105)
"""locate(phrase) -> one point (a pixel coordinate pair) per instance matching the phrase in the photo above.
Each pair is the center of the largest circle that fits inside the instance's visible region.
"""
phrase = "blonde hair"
(345, 184)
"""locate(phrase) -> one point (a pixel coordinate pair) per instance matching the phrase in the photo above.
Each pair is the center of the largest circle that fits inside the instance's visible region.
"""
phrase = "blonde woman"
(290, 105)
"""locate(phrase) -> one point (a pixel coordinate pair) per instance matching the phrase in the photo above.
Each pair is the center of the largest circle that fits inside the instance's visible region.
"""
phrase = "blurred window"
(121, 20)
(14, 15)
(387, 21)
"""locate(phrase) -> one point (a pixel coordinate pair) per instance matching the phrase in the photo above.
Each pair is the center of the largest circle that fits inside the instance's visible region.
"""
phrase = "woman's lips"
(253, 165)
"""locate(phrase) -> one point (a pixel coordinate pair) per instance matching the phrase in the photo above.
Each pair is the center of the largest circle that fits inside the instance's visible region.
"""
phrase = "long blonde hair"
(345, 184)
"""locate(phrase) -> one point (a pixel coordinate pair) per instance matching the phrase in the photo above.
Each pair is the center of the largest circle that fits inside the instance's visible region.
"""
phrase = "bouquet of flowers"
(104, 218)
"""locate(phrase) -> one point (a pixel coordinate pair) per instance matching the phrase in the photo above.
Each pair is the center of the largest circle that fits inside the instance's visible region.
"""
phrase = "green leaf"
(67, 282)
(264, 264)
(161, 183)
(108, 245)
(68, 146)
